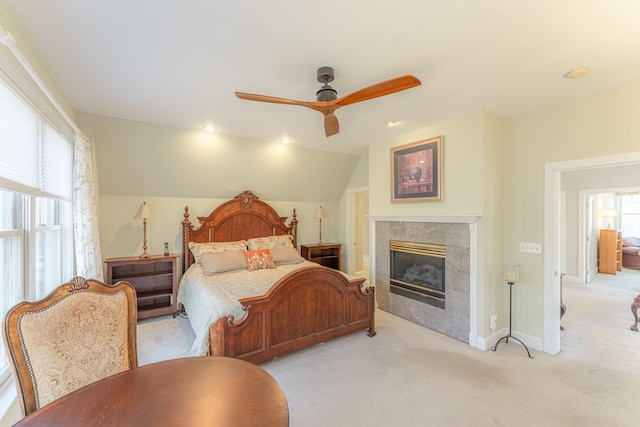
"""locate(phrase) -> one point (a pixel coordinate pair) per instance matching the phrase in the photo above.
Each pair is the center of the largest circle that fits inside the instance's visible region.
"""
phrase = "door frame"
(350, 228)
(552, 229)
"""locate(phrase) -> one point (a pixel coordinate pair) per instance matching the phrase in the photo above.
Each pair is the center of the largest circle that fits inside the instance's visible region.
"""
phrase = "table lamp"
(145, 213)
(609, 213)
(320, 215)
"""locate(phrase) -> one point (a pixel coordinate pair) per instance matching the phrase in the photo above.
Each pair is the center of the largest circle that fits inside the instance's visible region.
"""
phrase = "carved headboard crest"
(246, 199)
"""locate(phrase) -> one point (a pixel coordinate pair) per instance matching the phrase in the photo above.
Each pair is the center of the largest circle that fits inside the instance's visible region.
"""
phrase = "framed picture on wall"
(416, 171)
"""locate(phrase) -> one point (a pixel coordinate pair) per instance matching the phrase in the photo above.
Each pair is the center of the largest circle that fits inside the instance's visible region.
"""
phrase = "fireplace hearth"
(417, 271)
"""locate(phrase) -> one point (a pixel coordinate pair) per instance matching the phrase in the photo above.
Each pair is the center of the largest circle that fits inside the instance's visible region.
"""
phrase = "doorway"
(357, 250)
(553, 231)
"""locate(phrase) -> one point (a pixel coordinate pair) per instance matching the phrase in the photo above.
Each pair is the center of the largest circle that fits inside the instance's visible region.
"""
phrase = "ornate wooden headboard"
(243, 217)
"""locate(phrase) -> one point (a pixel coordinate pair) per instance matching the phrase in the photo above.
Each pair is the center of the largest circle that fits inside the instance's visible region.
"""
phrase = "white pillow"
(288, 255)
(197, 249)
(269, 242)
(221, 262)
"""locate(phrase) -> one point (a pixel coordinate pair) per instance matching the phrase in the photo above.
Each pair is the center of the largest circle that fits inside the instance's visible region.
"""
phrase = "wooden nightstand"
(327, 254)
(155, 280)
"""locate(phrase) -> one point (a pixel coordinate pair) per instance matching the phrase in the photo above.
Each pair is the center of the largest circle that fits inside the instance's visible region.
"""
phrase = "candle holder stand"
(506, 337)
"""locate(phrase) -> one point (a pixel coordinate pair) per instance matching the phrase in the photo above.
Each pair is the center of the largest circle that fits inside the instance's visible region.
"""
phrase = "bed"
(269, 312)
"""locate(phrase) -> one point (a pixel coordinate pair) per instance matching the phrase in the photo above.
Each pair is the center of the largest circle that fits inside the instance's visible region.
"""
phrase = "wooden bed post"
(187, 227)
(294, 228)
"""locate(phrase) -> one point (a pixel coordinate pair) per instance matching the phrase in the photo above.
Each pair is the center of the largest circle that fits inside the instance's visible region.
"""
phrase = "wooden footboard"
(306, 307)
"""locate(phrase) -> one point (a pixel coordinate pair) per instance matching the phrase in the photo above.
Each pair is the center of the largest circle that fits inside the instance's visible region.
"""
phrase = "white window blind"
(35, 158)
(19, 141)
(55, 177)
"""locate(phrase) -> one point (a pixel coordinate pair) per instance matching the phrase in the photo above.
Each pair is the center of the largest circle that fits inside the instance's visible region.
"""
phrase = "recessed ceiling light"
(392, 123)
(286, 140)
(576, 73)
(209, 128)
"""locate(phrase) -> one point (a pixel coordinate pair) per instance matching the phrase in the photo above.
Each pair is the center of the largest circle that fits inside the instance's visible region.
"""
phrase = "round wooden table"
(192, 391)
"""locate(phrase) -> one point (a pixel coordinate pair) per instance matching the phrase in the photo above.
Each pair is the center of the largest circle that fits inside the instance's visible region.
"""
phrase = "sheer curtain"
(85, 218)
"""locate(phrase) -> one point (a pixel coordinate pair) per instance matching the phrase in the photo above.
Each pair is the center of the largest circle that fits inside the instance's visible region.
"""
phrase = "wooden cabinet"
(154, 278)
(327, 254)
(610, 251)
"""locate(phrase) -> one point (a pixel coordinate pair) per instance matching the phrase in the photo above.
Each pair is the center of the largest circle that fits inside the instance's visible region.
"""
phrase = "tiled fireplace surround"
(458, 237)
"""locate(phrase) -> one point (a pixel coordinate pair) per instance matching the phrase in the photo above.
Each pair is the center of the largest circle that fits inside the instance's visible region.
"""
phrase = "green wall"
(603, 124)
(170, 168)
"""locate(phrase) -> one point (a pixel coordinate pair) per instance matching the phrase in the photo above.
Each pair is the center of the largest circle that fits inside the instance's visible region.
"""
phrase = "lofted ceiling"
(178, 63)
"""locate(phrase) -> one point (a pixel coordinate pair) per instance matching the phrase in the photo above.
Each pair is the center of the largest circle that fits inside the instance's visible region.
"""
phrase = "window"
(36, 229)
(630, 214)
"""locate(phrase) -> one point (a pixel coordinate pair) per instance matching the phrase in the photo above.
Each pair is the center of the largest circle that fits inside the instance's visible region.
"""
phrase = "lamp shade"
(144, 212)
(609, 213)
(320, 214)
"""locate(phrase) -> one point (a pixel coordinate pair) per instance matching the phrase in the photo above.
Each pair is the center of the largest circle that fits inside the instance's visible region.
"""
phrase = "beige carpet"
(411, 376)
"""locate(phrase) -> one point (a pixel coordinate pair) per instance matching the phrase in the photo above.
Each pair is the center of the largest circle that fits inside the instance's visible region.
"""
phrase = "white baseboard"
(487, 343)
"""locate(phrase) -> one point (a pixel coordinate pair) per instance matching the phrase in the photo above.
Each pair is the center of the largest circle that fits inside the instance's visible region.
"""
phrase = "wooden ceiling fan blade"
(380, 89)
(272, 99)
(331, 125)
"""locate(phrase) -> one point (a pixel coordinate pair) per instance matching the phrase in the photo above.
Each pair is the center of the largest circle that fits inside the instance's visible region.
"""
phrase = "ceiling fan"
(327, 101)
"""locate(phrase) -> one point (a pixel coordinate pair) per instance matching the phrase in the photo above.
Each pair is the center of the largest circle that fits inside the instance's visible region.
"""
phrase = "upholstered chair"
(81, 332)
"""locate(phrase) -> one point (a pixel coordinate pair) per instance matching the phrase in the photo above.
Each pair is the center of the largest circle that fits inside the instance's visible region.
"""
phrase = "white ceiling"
(179, 62)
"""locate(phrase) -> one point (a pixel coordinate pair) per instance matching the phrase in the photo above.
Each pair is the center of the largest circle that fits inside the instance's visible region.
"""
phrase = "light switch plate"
(532, 248)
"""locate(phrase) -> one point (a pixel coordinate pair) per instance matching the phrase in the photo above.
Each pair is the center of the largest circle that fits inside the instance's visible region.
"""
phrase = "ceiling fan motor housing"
(326, 92)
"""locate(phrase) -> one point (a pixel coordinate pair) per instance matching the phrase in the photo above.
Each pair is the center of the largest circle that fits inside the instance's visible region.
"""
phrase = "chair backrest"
(81, 332)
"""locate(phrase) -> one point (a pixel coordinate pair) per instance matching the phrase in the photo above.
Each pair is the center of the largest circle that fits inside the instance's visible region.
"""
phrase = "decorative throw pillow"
(221, 262)
(197, 249)
(288, 255)
(284, 241)
(259, 260)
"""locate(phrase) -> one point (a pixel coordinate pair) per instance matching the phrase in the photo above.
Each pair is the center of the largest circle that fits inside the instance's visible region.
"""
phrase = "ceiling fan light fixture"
(392, 123)
(326, 93)
(209, 128)
(286, 140)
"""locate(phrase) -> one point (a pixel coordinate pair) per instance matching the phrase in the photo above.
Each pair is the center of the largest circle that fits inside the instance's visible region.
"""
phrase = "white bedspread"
(208, 298)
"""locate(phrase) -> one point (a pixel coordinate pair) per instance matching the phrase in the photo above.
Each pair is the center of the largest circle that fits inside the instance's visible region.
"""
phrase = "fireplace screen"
(417, 271)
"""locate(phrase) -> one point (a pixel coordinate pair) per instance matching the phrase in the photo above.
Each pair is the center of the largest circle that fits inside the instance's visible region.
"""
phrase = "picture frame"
(417, 170)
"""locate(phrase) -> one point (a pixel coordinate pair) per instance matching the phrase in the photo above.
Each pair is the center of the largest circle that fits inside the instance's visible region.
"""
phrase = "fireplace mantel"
(441, 218)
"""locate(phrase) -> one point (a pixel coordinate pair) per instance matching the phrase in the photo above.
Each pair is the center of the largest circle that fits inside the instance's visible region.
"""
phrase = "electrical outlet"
(532, 248)
(493, 322)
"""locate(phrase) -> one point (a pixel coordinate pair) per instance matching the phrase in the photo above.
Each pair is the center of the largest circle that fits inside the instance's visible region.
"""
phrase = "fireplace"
(459, 236)
(417, 271)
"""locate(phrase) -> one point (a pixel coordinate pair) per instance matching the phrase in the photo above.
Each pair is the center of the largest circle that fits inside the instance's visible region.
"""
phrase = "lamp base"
(145, 255)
